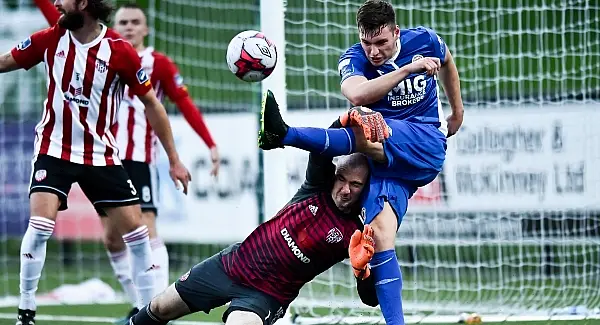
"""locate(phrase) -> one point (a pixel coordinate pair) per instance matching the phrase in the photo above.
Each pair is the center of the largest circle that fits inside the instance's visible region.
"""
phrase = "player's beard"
(71, 20)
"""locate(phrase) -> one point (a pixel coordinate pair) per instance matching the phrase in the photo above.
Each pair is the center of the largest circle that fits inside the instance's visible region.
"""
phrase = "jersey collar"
(92, 43)
(147, 50)
(395, 56)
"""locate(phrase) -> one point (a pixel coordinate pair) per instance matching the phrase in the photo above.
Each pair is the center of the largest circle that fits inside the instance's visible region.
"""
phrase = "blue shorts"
(415, 154)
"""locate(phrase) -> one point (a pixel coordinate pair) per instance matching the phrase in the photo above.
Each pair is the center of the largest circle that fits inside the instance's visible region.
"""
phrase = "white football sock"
(120, 264)
(33, 256)
(160, 256)
(141, 263)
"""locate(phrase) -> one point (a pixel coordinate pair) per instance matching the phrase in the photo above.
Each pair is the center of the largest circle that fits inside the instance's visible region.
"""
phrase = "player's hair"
(352, 161)
(373, 15)
(132, 5)
(100, 9)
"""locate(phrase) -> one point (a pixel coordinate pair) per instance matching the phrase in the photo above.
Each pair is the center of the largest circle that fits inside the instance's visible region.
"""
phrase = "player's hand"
(372, 123)
(180, 175)
(431, 65)
(216, 161)
(454, 122)
(361, 250)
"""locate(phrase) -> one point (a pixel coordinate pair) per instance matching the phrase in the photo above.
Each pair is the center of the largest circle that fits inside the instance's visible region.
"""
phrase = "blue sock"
(388, 286)
(330, 142)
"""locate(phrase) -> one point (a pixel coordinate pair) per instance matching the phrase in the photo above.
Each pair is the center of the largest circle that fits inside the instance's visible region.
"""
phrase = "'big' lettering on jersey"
(416, 97)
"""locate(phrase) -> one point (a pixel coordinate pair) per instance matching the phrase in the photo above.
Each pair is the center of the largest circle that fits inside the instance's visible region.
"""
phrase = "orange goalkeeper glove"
(362, 247)
(372, 123)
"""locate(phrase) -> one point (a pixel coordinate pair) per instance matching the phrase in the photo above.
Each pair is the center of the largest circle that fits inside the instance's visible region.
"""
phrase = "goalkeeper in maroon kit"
(261, 276)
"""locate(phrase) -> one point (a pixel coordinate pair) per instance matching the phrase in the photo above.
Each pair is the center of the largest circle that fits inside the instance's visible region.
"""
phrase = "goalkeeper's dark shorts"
(206, 286)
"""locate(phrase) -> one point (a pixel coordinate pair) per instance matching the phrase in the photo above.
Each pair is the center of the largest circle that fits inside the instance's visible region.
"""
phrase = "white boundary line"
(325, 320)
(438, 319)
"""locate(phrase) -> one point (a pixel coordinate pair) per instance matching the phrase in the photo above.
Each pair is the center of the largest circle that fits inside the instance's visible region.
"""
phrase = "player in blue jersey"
(391, 79)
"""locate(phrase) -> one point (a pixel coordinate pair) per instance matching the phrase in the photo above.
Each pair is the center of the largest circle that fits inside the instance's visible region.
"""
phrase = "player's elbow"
(353, 90)
(356, 98)
(151, 102)
(7, 63)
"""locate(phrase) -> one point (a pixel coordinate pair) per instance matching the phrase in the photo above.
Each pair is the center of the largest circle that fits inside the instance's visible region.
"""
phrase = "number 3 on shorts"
(133, 190)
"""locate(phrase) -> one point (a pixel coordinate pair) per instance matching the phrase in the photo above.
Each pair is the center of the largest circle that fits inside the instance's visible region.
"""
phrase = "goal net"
(511, 226)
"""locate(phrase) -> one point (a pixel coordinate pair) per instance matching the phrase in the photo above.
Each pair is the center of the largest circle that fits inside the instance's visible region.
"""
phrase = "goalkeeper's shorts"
(415, 155)
(206, 286)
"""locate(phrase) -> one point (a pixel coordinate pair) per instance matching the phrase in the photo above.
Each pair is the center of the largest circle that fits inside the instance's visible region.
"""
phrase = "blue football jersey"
(416, 97)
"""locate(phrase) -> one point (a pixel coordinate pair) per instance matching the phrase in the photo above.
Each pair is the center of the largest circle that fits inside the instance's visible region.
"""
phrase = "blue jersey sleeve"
(351, 63)
(439, 46)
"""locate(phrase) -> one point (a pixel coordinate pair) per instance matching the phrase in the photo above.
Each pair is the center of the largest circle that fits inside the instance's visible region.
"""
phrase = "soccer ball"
(472, 318)
(251, 56)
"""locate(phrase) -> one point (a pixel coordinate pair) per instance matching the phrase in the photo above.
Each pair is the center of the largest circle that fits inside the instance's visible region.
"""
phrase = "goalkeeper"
(262, 275)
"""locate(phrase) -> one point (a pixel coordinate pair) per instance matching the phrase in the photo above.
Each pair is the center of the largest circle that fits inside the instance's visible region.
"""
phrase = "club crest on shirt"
(417, 57)
(101, 66)
(334, 236)
(24, 44)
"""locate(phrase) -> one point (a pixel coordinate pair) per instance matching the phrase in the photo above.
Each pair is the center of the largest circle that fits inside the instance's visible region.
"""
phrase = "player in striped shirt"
(262, 275)
(88, 66)
(137, 143)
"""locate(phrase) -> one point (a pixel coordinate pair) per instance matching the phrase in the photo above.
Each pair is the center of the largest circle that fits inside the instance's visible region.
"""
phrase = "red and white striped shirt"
(85, 88)
(135, 138)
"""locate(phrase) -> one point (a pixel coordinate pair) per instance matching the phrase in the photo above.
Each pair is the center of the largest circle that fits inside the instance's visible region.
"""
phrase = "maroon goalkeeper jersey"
(308, 236)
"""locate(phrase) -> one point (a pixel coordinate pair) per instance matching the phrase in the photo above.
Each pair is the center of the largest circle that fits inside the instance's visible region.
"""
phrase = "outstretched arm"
(451, 83)
(49, 11)
(8, 63)
(176, 90)
(194, 118)
(361, 250)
